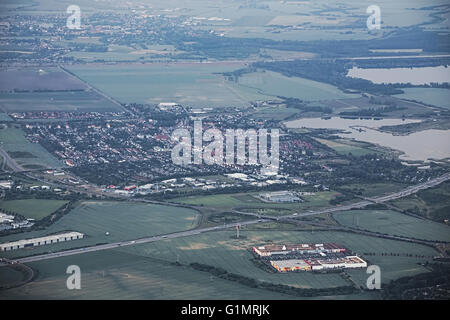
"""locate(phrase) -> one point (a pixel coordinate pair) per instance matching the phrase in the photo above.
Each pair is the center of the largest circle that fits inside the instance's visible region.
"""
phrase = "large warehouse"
(319, 264)
(307, 248)
(62, 237)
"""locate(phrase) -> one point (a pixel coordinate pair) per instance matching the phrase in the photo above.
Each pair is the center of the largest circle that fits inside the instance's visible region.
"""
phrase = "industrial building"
(290, 265)
(280, 197)
(318, 264)
(306, 248)
(62, 237)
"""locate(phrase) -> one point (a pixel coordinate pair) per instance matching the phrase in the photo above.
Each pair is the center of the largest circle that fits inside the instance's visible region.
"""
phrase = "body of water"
(423, 145)
(416, 76)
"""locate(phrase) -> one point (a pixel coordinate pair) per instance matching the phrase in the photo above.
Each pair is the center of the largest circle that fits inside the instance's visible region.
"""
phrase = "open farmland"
(433, 203)
(190, 84)
(26, 154)
(48, 89)
(438, 97)
(394, 223)
(71, 101)
(122, 220)
(38, 79)
(373, 189)
(32, 208)
(120, 275)
(276, 84)
(222, 250)
(249, 200)
(346, 147)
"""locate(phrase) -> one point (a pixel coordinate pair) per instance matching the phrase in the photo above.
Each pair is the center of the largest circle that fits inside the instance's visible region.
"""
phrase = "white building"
(62, 237)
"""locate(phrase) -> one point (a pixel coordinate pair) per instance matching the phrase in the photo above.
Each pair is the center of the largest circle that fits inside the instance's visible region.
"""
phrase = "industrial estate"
(308, 257)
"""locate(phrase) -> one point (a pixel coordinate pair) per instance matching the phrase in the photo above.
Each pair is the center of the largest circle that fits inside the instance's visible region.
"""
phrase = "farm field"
(71, 101)
(275, 113)
(32, 208)
(222, 249)
(276, 84)
(394, 223)
(38, 79)
(121, 275)
(122, 220)
(433, 203)
(28, 155)
(373, 189)
(346, 147)
(9, 276)
(434, 96)
(4, 117)
(190, 84)
(248, 200)
(117, 53)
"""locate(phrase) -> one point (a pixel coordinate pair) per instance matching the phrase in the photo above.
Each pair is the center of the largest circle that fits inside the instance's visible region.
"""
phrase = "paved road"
(261, 219)
(10, 162)
(129, 242)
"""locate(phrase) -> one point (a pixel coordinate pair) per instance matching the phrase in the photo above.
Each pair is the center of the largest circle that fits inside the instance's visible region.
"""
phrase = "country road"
(261, 219)
(10, 162)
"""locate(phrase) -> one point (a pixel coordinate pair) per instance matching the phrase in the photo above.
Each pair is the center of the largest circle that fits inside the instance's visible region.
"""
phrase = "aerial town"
(224, 150)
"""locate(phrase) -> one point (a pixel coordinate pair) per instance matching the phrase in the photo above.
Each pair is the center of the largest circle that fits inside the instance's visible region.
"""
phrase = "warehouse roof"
(41, 239)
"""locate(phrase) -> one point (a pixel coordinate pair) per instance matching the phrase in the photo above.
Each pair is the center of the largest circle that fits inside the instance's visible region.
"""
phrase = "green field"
(190, 84)
(28, 155)
(121, 52)
(144, 271)
(345, 147)
(4, 117)
(72, 101)
(276, 84)
(119, 275)
(434, 96)
(394, 223)
(123, 221)
(433, 203)
(32, 208)
(28, 79)
(249, 200)
(221, 250)
(373, 189)
(274, 113)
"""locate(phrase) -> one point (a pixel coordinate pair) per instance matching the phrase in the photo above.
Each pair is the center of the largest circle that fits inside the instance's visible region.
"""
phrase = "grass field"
(143, 271)
(28, 155)
(32, 208)
(275, 113)
(249, 200)
(190, 84)
(120, 52)
(221, 250)
(434, 96)
(4, 117)
(123, 220)
(395, 223)
(120, 275)
(373, 189)
(276, 84)
(344, 147)
(32, 79)
(73, 101)
(433, 203)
